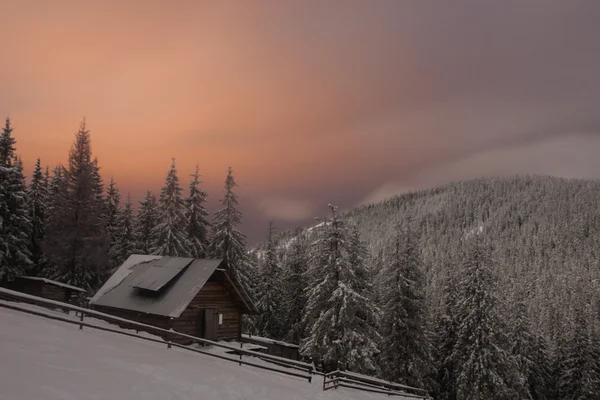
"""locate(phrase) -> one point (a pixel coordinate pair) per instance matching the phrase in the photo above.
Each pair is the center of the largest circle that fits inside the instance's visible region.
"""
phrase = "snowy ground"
(41, 359)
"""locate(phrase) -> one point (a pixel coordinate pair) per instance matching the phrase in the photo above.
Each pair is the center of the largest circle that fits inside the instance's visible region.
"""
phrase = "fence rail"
(335, 379)
(169, 335)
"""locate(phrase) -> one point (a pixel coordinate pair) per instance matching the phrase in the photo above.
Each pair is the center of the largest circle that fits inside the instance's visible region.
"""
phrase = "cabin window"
(220, 319)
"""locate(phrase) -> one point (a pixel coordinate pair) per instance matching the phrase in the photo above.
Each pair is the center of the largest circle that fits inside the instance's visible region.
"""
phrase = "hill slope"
(45, 359)
(545, 234)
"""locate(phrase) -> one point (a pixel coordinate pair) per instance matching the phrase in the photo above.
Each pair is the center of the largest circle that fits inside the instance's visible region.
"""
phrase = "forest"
(483, 289)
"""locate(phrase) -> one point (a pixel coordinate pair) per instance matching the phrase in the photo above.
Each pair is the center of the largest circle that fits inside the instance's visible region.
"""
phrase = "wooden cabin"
(198, 297)
(46, 288)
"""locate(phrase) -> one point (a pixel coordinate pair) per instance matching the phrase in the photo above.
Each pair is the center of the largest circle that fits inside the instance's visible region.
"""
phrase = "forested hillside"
(537, 244)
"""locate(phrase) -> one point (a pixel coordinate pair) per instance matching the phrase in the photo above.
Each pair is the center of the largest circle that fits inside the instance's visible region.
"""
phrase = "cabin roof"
(159, 285)
(53, 283)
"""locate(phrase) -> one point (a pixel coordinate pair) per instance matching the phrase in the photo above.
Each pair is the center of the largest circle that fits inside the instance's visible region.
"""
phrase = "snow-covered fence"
(350, 380)
(169, 335)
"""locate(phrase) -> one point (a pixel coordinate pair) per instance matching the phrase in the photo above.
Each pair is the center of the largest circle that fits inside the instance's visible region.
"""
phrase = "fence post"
(241, 346)
(81, 319)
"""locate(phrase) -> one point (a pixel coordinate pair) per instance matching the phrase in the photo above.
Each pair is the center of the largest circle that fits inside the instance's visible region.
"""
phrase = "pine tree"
(269, 293)
(294, 287)
(528, 353)
(405, 349)
(170, 236)
(227, 242)
(196, 218)
(147, 219)
(37, 194)
(76, 241)
(341, 314)
(15, 226)
(125, 235)
(446, 336)
(485, 369)
(113, 199)
(579, 378)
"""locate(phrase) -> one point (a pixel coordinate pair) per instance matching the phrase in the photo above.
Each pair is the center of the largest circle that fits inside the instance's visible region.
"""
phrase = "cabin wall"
(212, 295)
(54, 293)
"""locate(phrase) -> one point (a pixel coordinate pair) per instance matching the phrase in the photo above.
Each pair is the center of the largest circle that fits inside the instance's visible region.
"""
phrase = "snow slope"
(43, 359)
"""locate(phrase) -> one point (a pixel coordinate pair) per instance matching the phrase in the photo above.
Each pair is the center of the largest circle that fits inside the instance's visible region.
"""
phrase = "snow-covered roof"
(156, 285)
(51, 282)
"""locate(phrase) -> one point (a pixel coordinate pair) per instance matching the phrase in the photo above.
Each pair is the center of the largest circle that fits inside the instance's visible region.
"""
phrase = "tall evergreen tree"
(340, 311)
(170, 235)
(446, 336)
(294, 287)
(227, 242)
(37, 194)
(485, 369)
(147, 219)
(528, 352)
(76, 241)
(579, 378)
(196, 218)
(125, 235)
(15, 225)
(405, 348)
(113, 200)
(269, 293)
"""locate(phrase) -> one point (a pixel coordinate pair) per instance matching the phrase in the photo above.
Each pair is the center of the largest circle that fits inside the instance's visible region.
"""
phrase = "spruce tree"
(113, 200)
(485, 368)
(37, 194)
(294, 288)
(15, 225)
(170, 238)
(579, 378)
(196, 218)
(147, 219)
(446, 336)
(76, 241)
(125, 235)
(269, 295)
(227, 242)
(340, 313)
(405, 349)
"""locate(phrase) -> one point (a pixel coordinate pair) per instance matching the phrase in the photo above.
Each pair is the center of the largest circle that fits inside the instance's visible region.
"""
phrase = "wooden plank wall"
(212, 295)
(149, 319)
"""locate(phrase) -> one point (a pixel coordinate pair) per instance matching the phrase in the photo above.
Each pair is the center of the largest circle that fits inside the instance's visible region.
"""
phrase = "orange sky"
(310, 102)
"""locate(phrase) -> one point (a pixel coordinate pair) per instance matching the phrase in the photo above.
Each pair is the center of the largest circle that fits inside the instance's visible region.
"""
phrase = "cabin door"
(211, 323)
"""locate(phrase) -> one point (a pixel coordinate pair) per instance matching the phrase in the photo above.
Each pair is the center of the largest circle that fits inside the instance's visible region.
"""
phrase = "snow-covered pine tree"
(485, 368)
(269, 295)
(15, 226)
(340, 314)
(147, 219)
(294, 288)
(525, 348)
(170, 237)
(37, 195)
(113, 200)
(76, 239)
(196, 218)
(125, 235)
(227, 242)
(579, 378)
(446, 335)
(405, 349)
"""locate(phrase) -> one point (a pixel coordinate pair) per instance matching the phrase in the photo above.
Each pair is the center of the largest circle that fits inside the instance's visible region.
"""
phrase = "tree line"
(65, 225)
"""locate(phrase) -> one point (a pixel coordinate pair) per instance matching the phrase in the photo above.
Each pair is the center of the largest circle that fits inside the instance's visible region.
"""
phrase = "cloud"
(567, 155)
(286, 209)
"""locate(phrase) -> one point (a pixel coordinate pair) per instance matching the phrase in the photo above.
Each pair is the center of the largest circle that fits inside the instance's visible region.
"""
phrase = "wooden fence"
(350, 380)
(301, 369)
